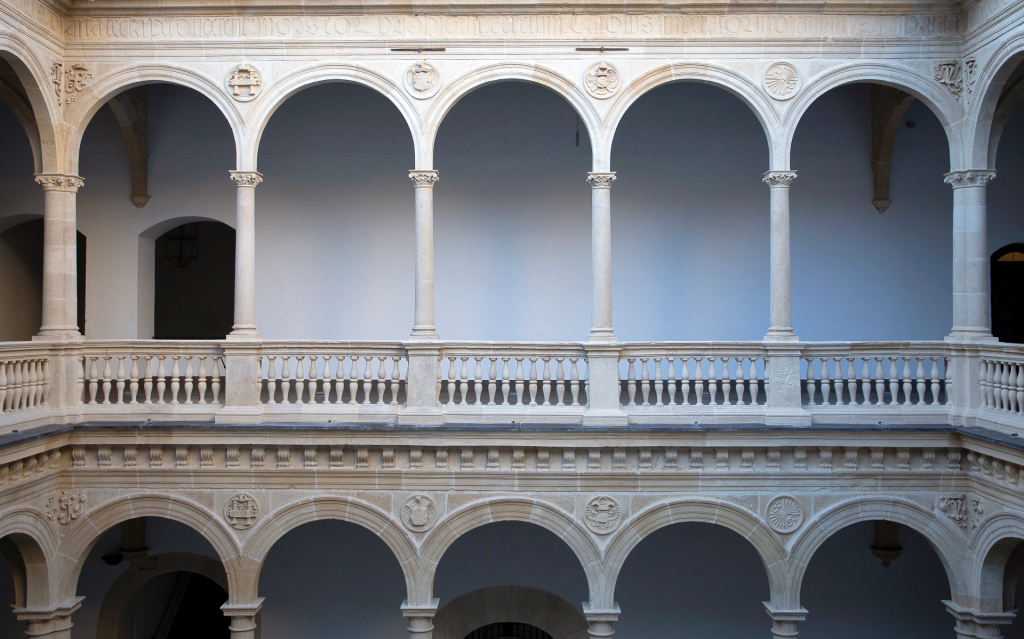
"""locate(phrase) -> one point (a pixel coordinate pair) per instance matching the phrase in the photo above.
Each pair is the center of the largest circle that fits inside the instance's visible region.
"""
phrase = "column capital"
(246, 178)
(979, 624)
(427, 610)
(601, 180)
(425, 179)
(778, 179)
(59, 182)
(51, 612)
(972, 177)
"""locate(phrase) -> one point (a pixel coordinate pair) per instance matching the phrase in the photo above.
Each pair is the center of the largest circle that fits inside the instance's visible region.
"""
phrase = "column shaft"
(601, 255)
(971, 304)
(780, 302)
(423, 320)
(60, 256)
(245, 255)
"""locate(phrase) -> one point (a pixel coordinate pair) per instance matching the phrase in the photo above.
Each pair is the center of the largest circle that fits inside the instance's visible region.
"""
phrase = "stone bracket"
(887, 108)
(131, 108)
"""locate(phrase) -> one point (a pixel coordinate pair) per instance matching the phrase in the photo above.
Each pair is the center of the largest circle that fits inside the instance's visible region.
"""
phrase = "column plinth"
(60, 256)
(601, 256)
(245, 255)
(423, 315)
(971, 303)
(781, 302)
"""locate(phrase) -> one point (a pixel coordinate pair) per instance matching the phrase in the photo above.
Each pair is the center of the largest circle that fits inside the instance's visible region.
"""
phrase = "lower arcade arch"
(513, 612)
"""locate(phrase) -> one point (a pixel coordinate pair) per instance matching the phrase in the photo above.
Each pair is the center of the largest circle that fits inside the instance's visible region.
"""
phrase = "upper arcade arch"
(106, 87)
(940, 101)
(45, 107)
(268, 103)
(990, 113)
(715, 75)
(511, 72)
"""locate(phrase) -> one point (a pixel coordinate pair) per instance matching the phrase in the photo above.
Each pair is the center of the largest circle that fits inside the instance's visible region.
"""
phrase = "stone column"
(243, 618)
(53, 622)
(601, 622)
(245, 255)
(781, 304)
(423, 320)
(420, 619)
(60, 257)
(975, 624)
(784, 622)
(971, 305)
(601, 256)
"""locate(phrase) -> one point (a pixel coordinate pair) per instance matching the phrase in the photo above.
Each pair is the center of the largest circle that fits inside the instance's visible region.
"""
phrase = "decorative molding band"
(246, 178)
(601, 180)
(425, 179)
(59, 182)
(970, 178)
(779, 179)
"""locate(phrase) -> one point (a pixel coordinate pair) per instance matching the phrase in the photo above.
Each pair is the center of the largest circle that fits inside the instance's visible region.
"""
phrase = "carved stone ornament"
(977, 512)
(58, 182)
(784, 514)
(949, 74)
(65, 507)
(600, 180)
(959, 179)
(955, 507)
(419, 513)
(244, 83)
(57, 73)
(781, 81)
(602, 515)
(779, 178)
(246, 178)
(242, 511)
(970, 76)
(602, 80)
(424, 178)
(422, 80)
(76, 80)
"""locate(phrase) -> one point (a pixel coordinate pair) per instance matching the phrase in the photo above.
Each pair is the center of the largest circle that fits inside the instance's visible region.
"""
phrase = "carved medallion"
(602, 515)
(949, 74)
(65, 507)
(244, 82)
(602, 80)
(419, 513)
(781, 81)
(242, 511)
(955, 507)
(784, 514)
(422, 80)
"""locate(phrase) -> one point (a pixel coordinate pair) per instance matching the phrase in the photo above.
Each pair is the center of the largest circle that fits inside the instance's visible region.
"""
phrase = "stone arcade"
(602, 442)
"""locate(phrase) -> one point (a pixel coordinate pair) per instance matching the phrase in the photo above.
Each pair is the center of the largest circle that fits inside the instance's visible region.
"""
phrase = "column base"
(243, 618)
(421, 619)
(781, 335)
(968, 335)
(602, 335)
(424, 334)
(58, 335)
(785, 622)
(244, 333)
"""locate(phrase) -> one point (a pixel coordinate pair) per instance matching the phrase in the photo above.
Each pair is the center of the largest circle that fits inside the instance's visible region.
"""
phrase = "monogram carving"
(784, 514)
(65, 507)
(242, 511)
(949, 74)
(244, 82)
(602, 80)
(781, 81)
(419, 513)
(422, 81)
(57, 74)
(955, 507)
(602, 515)
(76, 80)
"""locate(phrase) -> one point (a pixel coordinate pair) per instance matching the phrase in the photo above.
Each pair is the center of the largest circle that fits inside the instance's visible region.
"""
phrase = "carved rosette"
(601, 180)
(784, 514)
(781, 81)
(602, 515)
(419, 513)
(65, 507)
(58, 182)
(246, 178)
(424, 178)
(960, 179)
(242, 511)
(602, 80)
(244, 82)
(779, 179)
(422, 80)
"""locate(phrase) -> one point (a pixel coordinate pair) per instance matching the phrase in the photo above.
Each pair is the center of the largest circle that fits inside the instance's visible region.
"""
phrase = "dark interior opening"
(508, 631)
(1008, 293)
(194, 291)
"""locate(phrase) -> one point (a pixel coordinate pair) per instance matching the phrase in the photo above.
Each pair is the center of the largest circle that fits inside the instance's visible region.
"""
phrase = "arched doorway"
(1007, 302)
(508, 631)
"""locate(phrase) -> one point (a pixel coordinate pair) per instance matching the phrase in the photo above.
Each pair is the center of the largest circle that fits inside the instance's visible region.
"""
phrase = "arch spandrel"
(104, 87)
(277, 93)
(36, 81)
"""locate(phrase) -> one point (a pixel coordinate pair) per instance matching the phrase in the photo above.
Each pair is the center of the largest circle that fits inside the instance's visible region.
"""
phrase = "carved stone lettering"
(949, 74)
(955, 507)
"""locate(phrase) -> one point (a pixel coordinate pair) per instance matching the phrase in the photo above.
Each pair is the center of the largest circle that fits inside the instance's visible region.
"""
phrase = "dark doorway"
(182, 605)
(508, 631)
(194, 291)
(1008, 293)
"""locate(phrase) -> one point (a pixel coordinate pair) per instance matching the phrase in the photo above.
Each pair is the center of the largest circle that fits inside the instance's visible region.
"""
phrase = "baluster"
(726, 383)
(382, 374)
(908, 382)
(161, 379)
(28, 393)
(3, 387)
(94, 384)
(997, 386)
(1012, 387)
(79, 388)
(533, 381)
(463, 380)
(147, 384)
(286, 380)
(826, 385)
(631, 382)
(505, 384)
(451, 381)
(935, 381)
(812, 389)
(921, 384)
(851, 381)
(990, 371)
(520, 385)
(671, 380)
(755, 386)
(175, 379)
(313, 379)
(659, 384)
(202, 379)
(478, 381)
(44, 368)
(215, 383)
(560, 381)
(1004, 388)
(865, 381)
(300, 380)
(698, 381)
(894, 383)
(339, 379)
(437, 389)
(712, 381)
(684, 382)
(20, 376)
(106, 379)
(188, 380)
(272, 380)
(574, 381)
(367, 379)
(12, 382)
(645, 382)
(396, 378)
(879, 383)
(741, 383)
(33, 380)
(546, 387)
(1020, 388)
(353, 380)
(133, 381)
(983, 382)
(492, 381)
(838, 379)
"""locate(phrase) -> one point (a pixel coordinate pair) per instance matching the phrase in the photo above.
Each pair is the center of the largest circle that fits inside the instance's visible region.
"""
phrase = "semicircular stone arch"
(45, 108)
(267, 104)
(985, 114)
(33, 542)
(998, 537)
(509, 604)
(104, 88)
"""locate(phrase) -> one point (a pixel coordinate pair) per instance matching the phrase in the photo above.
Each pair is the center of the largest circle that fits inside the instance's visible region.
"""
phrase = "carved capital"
(424, 178)
(601, 180)
(246, 178)
(779, 178)
(58, 182)
(960, 179)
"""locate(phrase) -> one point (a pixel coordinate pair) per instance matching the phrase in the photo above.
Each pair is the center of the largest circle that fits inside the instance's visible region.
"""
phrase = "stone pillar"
(245, 255)
(423, 320)
(784, 622)
(60, 257)
(243, 618)
(601, 256)
(781, 303)
(601, 622)
(421, 406)
(420, 619)
(53, 622)
(971, 305)
(975, 624)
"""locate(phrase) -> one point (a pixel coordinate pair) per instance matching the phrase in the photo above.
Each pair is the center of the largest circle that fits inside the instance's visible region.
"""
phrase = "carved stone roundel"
(602, 80)
(781, 81)
(784, 514)
(242, 511)
(602, 515)
(422, 80)
(419, 513)
(244, 82)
